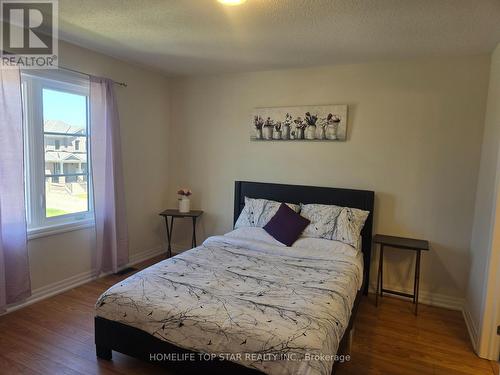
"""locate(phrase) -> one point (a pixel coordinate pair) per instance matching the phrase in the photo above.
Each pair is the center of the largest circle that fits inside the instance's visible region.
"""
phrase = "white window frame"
(33, 83)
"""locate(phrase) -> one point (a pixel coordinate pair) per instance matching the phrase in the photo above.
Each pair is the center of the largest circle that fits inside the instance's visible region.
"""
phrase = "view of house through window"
(57, 149)
(65, 136)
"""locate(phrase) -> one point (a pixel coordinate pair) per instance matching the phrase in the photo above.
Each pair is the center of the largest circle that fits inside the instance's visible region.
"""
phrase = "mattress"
(276, 309)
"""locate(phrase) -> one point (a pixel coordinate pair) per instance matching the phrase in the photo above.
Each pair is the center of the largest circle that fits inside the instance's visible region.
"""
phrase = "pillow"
(253, 234)
(323, 218)
(326, 246)
(349, 225)
(286, 226)
(258, 212)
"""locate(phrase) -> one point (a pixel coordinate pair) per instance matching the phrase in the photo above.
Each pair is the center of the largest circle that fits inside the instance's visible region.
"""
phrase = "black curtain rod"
(123, 84)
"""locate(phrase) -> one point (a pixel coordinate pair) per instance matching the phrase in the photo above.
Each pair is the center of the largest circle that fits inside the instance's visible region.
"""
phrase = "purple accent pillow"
(286, 225)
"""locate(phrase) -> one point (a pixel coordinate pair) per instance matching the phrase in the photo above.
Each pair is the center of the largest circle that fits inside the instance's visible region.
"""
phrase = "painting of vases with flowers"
(301, 123)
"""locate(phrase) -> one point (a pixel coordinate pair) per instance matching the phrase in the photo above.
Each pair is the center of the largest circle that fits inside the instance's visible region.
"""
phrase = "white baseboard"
(471, 327)
(179, 247)
(61, 286)
(52, 289)
(427, 298)
(145, 255)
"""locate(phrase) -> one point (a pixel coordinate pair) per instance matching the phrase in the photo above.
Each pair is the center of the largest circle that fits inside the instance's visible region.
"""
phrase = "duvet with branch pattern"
(275, 309)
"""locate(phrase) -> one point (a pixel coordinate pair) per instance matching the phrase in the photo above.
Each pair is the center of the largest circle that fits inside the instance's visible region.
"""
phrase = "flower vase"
(277, 134)
(299, 133)
(184, 204)
(258, 133)
(285, 133)
(310, 132)
(267, 132)
(320, 132)
(331, 131)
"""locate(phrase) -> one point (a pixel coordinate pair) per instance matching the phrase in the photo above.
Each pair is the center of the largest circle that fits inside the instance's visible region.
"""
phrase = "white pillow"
(257, 212)
(321, 244)
(254, 234)
(323, 218)
(350, 222)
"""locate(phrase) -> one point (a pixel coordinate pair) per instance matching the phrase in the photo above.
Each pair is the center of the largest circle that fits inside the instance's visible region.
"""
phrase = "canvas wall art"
(300, 123)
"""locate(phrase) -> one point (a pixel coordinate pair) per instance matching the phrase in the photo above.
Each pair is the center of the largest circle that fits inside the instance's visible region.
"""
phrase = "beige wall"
(482, 302)
(144, 115)
(414, 137)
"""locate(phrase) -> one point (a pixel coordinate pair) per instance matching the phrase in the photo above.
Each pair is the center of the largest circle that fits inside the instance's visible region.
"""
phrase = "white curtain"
(107, 177)
(15, 282)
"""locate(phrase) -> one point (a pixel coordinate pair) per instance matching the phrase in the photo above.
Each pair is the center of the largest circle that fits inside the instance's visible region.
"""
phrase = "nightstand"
(173, 213)
(403, 244)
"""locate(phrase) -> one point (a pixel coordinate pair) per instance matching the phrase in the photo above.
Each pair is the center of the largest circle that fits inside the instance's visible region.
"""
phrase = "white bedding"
(281, 310)
(315, 245)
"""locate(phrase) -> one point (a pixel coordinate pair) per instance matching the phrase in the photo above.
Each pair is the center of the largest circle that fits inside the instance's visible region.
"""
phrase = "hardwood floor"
(55, 336)
(390, 339)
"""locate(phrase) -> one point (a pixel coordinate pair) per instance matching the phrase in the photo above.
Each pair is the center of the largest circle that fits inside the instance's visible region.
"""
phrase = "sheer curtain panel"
(15, 282)
(107, 177)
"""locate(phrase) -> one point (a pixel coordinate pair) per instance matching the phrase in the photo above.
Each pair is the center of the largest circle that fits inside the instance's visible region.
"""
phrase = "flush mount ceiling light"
(231, 2)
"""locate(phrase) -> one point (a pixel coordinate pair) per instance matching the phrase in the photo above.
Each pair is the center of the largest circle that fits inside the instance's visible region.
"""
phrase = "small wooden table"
(404, 244)
(173, 213)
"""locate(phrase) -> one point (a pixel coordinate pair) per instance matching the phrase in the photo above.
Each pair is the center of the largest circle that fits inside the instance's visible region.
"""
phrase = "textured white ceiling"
(203, 36)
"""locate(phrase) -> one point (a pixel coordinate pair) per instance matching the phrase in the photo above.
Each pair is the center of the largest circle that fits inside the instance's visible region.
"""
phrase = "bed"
(231, 303)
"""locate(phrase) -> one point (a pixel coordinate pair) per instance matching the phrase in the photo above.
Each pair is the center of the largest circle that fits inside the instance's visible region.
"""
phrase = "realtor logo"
(29, 33)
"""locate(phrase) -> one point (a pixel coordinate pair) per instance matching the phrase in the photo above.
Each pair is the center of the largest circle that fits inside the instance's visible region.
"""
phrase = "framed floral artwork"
(300, 123)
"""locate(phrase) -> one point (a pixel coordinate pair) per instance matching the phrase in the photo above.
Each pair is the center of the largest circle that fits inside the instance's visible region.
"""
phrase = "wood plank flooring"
(55, 336)
(390, 339)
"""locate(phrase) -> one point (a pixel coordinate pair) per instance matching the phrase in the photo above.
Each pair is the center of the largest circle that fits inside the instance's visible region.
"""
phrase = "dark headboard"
(362, 199)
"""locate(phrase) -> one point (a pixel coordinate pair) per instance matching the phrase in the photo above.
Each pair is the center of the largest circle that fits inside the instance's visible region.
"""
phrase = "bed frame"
(110, 335)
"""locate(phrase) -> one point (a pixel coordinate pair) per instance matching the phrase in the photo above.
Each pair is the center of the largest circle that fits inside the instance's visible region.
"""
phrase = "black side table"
(404, 244)
(173, 213)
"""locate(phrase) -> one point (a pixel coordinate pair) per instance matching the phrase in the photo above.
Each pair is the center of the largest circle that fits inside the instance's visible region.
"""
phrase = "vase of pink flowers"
(184, 202)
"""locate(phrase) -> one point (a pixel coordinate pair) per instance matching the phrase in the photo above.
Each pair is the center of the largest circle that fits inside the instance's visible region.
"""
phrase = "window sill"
(59, 228)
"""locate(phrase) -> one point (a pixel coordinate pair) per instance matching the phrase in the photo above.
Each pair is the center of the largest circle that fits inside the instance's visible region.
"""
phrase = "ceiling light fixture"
(231, 2)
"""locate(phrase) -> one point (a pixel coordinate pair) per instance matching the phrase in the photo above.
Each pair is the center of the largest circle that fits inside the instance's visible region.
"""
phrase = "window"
(58, 188)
